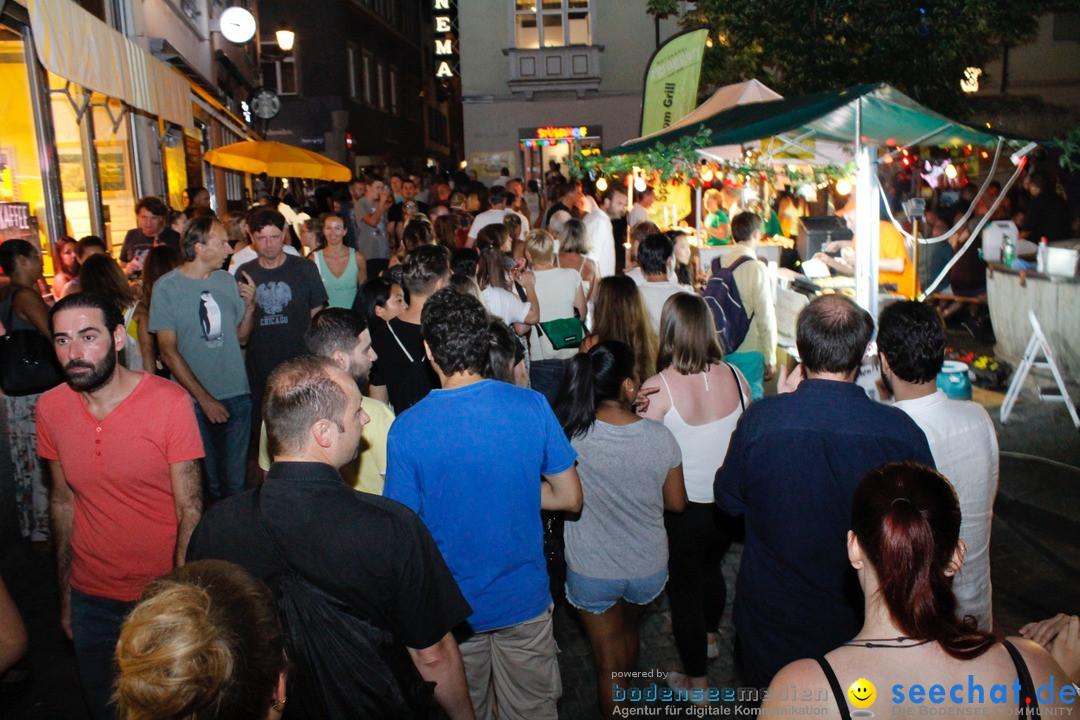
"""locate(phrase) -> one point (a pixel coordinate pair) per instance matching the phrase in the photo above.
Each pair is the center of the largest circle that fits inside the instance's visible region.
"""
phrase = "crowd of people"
(350, 452)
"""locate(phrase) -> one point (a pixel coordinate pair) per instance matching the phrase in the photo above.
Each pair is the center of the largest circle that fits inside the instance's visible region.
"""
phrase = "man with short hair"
(368, 553)
(598, 224)
(515, 202)
(559, 212)
(202, 318)
(655, 257)
(371, 210)
(403, 376)
(198, 198)
(493, 216)
(791, 469)
(911, 345)
(395, 216)
(342, 335)
(153, 229)
(288, 292)
(503, 179)
(752, 282)
(640, 212)
(482, 505)
(123, 448)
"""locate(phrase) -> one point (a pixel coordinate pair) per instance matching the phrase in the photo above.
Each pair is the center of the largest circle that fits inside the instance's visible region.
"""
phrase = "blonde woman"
(203, 642)
(559, 292)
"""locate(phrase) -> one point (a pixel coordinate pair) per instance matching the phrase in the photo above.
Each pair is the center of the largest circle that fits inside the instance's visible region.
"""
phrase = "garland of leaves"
(678, 162)
(1070, 146)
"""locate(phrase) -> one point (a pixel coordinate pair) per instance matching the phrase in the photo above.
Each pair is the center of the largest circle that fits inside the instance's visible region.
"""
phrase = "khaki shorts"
(514, 669)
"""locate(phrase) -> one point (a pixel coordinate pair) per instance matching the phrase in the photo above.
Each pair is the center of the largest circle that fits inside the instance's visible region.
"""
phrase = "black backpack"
(729, 313)
(346, 667)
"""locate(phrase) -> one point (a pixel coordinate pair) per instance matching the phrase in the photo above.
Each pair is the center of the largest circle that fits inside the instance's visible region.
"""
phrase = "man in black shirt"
(403, 376)
(372, 554)
(1048, 215)
(151, 213)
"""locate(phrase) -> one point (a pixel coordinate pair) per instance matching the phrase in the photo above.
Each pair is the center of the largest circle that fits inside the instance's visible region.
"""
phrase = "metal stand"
(1036, 344)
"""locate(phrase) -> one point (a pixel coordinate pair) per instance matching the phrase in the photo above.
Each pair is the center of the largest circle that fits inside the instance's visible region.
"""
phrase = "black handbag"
(28, 363)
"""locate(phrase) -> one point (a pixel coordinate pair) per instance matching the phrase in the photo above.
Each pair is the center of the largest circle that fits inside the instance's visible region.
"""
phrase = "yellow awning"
(78, 47)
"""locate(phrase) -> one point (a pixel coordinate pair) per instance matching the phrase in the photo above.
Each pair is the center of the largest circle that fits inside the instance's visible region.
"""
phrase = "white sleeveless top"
(703, 446)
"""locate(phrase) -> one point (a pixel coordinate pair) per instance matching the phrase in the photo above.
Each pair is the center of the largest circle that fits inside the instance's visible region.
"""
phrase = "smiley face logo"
(862, 693)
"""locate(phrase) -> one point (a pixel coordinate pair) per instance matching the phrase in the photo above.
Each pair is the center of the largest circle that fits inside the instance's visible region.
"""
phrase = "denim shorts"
(596, 595)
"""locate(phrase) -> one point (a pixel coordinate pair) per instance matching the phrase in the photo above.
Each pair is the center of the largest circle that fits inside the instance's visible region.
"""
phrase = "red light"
(906, 162)
(348, 140)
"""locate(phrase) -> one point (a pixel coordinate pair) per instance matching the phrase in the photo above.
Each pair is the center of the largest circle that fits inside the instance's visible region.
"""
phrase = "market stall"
(834, 133)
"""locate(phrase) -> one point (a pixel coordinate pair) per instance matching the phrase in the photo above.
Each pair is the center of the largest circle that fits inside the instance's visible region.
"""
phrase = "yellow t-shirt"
(368, 471)
(892, 246)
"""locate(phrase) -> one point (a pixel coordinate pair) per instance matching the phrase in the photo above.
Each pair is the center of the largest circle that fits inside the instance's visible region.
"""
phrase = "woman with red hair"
(913, 650)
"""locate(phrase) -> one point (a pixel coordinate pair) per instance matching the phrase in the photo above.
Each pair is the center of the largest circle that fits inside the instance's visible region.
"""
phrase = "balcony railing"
(575, 67)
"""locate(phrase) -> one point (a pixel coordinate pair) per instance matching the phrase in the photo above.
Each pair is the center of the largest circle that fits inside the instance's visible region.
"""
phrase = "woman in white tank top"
(700, 400)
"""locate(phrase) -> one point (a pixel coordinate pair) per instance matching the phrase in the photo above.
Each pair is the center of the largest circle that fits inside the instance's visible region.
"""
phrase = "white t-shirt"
(556, 290)
(655, 294)
(505, 305)
(638, 214)
(965, 448)
(248, 254)
(488, 217)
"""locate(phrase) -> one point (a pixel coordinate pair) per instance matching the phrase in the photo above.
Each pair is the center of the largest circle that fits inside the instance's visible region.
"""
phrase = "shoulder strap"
(835, 685)
(738, 385)
(668, 388)
(398, 341)
(1027, 687)
(740, 261)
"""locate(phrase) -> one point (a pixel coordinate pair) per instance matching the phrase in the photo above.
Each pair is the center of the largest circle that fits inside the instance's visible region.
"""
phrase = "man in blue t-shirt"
(468, 458)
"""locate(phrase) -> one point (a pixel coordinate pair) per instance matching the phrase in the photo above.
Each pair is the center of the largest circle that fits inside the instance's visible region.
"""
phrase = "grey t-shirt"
(204, 315)
(284, 299)
(620, 534)
(373, 241)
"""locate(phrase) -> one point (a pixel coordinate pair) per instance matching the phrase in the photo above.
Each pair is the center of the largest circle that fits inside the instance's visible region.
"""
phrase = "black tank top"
(1027, 687)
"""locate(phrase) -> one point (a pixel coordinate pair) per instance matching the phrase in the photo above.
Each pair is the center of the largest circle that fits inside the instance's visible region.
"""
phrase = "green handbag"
(564, 332)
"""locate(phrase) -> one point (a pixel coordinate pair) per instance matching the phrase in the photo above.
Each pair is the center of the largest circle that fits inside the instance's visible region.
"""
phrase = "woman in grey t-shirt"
(631, 472)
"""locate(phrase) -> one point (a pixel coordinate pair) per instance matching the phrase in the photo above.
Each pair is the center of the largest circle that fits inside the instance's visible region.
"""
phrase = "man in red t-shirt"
(124, 451)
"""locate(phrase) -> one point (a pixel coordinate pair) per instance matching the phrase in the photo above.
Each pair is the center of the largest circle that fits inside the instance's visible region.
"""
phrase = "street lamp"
(285, 38)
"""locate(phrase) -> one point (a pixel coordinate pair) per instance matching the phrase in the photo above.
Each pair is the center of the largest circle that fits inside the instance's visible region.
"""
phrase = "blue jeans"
(95, 624)
(226, 447)
(546, 376)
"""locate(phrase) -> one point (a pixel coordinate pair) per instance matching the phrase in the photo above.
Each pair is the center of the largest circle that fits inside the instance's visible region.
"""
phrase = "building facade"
(359, 82)
(542, 79)
(106, 102)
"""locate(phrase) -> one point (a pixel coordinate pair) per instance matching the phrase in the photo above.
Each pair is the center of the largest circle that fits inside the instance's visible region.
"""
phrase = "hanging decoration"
(678, 163)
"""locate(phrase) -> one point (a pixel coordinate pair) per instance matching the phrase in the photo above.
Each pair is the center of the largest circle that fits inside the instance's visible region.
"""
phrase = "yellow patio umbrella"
(277, 160)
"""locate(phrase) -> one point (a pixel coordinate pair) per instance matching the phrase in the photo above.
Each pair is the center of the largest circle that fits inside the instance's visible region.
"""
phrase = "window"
(279, 68)
(354, 80)
(394, 90)
(551, 23)
(380, 79)
(368, 62)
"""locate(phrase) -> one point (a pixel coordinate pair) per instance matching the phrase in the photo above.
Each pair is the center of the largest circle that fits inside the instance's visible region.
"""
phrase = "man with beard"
(124, 449)
(342, 335)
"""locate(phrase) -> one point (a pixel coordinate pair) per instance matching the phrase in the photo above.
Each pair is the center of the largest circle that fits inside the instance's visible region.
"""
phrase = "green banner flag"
(671, 80)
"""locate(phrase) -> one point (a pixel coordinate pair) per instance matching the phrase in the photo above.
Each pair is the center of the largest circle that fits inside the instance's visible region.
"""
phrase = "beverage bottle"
(1040, 257)
(1008, 252)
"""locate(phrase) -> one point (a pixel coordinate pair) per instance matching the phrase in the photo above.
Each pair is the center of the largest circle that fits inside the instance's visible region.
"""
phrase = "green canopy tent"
(832, 127)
